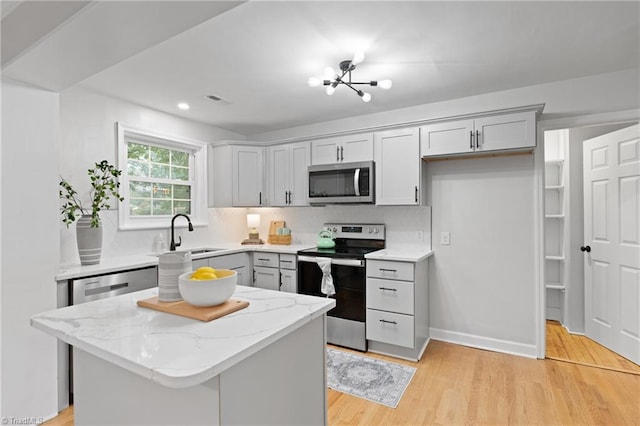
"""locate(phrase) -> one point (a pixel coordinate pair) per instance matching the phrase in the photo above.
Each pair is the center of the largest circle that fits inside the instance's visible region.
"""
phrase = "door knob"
(585, 248)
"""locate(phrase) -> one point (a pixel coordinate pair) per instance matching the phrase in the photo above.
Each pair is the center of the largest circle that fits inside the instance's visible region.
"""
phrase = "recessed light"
(183, 106)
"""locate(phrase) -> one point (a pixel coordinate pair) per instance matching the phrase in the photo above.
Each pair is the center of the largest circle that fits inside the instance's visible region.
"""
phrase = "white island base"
(283, 383)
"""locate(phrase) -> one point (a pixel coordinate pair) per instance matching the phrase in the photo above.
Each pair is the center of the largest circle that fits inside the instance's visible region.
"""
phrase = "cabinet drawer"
(389, 295)
(270, 260)
(387, 327)
(390, 270)
(229, 261)
(287, 261)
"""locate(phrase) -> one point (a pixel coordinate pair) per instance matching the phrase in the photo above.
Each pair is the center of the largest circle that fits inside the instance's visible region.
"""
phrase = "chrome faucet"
(173, 245)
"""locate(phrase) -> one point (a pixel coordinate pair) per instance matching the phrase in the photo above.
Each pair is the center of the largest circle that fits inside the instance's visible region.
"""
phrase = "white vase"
(89, 241)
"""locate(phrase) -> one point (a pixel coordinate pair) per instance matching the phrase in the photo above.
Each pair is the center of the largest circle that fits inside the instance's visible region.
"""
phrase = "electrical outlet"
(445, 238)
(419, 235)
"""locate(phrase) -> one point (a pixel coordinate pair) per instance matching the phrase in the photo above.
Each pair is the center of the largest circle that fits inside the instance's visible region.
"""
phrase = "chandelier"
(337, 78)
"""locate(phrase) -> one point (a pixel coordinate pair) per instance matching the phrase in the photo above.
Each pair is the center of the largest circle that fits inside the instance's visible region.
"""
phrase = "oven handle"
(358, 263)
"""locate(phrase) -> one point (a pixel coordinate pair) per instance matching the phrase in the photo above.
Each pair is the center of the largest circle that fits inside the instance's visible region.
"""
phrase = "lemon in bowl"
(207, 286)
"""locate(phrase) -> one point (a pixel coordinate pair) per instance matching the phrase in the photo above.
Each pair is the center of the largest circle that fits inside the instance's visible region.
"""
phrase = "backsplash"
(229, 225)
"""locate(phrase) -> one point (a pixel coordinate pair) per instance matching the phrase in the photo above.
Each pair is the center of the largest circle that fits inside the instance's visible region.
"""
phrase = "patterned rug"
(369, 378)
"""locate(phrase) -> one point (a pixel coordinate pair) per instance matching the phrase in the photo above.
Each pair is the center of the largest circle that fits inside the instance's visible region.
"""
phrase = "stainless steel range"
(345, 322)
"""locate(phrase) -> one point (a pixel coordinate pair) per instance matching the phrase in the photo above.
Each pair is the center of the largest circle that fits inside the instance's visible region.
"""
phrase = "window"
(161, 176)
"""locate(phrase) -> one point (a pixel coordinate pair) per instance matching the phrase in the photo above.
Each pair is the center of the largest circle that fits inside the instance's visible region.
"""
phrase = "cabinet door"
(243, 277)
(220, 161)
(288, 280)
(356, 148)
(300, 159)
(278, 167)
(508, 131)
(447, 138)
(325, 151)
(268, 278)
(247, 176)
(199, 263)
(398, 167)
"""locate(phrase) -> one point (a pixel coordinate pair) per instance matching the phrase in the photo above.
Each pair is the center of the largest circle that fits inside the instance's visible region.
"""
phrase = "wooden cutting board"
(202, 313)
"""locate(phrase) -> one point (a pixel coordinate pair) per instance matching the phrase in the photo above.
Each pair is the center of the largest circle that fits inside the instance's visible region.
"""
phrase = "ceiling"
(258, 55)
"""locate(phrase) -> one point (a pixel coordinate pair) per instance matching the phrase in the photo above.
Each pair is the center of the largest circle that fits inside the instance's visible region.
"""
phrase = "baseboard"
(487, 343)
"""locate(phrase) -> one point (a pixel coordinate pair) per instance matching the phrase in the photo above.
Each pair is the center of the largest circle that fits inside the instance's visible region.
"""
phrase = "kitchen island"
(264, 364)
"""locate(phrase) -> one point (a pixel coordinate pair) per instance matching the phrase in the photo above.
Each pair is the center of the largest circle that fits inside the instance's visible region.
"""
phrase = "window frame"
(198, 182)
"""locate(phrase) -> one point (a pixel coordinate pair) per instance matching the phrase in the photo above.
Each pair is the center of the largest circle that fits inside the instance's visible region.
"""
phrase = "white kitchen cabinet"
(287, 174)
(238, 262)
(398, 166)
(268, 278)
(397, 318)
(247, 176)
(515, 131)
(342, 149)
(288, 273)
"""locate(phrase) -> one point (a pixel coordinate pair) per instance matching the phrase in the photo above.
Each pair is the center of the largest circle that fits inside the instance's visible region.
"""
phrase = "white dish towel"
(326, 287)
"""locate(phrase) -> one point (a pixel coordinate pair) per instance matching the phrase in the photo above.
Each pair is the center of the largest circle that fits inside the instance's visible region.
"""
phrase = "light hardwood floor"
(581, 350)
(456, 385)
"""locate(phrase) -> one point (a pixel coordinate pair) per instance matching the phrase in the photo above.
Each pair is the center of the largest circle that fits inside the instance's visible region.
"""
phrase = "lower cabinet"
(238, 262)
(275, 271)
(397, 318)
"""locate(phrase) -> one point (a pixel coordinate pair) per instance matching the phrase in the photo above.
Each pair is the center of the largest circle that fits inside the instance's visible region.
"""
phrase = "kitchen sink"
(204, 250)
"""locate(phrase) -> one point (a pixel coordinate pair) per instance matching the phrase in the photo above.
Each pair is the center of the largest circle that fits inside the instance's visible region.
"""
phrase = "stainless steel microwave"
(349, 183)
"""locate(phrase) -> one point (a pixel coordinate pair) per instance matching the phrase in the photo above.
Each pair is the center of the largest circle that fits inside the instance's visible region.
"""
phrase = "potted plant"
(104, 186)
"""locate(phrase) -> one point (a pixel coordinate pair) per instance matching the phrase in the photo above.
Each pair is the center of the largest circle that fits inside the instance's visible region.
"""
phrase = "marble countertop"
(401, 254)
(172, 350)
(115, 264)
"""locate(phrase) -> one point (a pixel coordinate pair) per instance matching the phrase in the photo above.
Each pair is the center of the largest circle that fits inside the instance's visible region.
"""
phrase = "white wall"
(29, 246)
(482, 285)
(87, 135)
(581, 96)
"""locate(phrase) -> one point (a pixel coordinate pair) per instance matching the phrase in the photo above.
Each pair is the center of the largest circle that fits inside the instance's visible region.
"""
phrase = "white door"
(247, 180)
(299, 161)
(325, 151)
(268, 278)
(612, 240)
(356, 148)
(452, 137)
(278, 175)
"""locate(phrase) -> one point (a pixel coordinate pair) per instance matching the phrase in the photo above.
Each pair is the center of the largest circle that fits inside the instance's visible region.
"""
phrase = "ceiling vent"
(217, 100)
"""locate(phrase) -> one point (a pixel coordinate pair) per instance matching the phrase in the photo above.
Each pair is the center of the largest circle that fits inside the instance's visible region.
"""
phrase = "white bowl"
(208, 292)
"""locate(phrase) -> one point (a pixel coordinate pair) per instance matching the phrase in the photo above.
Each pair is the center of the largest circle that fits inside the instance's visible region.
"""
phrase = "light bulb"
(329, 73)
(366, 97)
(385, 84)
(357, 58)
(183, 106)
(330, 90)
(314, 82)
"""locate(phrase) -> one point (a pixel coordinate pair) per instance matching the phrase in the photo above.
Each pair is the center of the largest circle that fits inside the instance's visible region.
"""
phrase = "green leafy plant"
(104, 186)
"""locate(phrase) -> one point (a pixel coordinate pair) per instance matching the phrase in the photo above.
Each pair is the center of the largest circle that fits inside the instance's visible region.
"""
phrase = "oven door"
(349, 281)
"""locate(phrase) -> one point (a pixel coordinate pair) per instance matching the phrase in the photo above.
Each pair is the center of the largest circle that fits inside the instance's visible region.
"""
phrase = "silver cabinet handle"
(470, 139)
(477, 139)
(264, 260)
(416, 193)
(388, 270)
(388, 322)
(388, 289)
(341, 153)
(260, 199)
(337, 153)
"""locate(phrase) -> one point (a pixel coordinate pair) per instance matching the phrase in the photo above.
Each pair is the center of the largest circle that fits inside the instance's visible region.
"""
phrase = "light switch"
(445, 238)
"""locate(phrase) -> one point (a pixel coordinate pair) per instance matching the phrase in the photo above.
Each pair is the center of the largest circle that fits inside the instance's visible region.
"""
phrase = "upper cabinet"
(287, 174)
(398, 165)
(514, 131)
(236, 176)
(342, 149)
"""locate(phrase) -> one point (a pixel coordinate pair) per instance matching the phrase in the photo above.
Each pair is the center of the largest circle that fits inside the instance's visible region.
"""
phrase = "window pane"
(159, 171)
(160, 155)
(182, 207)
(179, 158)
(161, 207)
(179, 173)
(139, 207)
(161, 190)
(181, 192)
(136, 151)
(139, 189)
(136, 168)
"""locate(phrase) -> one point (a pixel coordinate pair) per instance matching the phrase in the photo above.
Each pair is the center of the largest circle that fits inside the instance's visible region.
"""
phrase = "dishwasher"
(98, 287)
